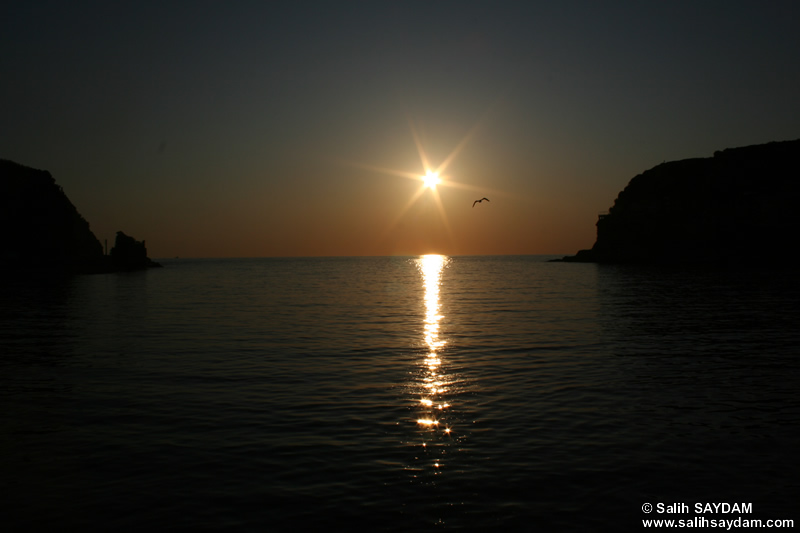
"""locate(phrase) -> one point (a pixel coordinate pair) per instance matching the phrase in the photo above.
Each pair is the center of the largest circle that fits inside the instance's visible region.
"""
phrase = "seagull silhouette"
(479, 201)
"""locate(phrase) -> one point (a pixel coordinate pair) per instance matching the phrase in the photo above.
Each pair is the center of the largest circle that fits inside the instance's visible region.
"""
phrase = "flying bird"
(479, 201)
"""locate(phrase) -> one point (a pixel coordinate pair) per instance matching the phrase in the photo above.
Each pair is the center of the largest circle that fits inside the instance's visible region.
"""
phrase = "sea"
(426, 393)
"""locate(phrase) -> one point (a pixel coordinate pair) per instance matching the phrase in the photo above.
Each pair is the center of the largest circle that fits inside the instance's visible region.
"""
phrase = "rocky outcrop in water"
(130, 254)
(738, 206)
(42, 231)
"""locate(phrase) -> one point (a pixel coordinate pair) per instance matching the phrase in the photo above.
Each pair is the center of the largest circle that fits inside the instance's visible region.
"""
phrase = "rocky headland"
(44, 232)
(738, 207)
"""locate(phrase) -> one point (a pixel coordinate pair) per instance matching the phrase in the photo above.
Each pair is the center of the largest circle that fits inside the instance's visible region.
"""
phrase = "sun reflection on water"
(434, 383)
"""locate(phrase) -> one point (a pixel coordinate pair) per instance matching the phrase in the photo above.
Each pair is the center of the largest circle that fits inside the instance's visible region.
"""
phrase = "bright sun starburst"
(431, 179)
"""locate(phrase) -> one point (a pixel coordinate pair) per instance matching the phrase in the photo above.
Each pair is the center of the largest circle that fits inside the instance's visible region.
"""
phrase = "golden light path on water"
(433, 402)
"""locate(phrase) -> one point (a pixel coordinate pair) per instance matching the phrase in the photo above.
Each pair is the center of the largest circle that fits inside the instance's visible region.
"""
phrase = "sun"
(431, 179)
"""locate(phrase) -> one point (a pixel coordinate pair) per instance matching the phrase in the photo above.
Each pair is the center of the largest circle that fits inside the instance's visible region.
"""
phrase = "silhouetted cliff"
(41, 229)
(739, 206)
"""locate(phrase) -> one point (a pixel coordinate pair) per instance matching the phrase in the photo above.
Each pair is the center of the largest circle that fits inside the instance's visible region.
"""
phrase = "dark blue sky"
(256, 128)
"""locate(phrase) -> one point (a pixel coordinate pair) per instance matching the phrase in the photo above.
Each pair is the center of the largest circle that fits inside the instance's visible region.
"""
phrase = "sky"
(250, 129)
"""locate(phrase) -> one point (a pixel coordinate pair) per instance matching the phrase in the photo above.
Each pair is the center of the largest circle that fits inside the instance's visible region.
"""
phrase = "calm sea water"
(396, 394)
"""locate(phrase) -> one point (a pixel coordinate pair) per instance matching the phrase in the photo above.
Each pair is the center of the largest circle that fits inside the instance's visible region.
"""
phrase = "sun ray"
(396, 220)
(443, 215)
(460, 146)
(423, 158)
(465, 140)
(383, 170)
